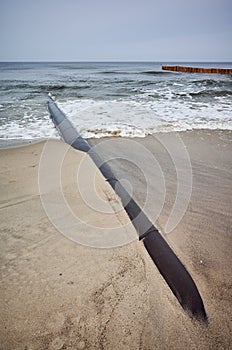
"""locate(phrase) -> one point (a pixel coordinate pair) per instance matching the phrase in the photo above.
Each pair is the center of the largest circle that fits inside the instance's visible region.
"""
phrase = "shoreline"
(16, 143)
(69, 295)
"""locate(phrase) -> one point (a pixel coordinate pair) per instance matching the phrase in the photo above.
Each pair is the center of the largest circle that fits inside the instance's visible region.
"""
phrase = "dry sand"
(58, 294)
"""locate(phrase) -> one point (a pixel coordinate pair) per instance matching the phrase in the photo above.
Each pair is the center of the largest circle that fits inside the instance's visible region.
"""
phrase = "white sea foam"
(135, 118)
(35, 129)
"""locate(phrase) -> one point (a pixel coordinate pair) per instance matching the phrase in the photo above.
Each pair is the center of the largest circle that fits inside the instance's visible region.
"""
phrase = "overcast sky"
(115, 30)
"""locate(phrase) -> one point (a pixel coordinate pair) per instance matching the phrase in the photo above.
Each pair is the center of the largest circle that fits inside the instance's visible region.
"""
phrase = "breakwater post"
(198, 70)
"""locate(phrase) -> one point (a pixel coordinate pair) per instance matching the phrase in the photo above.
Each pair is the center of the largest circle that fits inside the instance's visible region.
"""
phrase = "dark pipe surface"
(175, 274)
(66, 129)
(168, 264)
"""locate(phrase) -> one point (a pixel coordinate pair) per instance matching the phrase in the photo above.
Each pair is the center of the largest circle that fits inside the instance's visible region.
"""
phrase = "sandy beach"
(62, 289)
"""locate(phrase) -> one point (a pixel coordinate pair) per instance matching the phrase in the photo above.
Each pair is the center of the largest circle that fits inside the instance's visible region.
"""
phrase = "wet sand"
(58, 294)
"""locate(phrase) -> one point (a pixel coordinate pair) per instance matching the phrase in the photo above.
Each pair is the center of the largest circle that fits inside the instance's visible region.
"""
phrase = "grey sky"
(106, 30)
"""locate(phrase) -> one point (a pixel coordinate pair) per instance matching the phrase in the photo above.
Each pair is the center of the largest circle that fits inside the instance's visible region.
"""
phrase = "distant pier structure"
(198, 70)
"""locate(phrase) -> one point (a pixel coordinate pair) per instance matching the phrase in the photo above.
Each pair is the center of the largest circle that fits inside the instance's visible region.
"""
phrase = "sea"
(127, 99)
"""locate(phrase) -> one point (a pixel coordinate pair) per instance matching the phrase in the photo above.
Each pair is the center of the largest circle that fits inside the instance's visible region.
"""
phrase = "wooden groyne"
(198, 70)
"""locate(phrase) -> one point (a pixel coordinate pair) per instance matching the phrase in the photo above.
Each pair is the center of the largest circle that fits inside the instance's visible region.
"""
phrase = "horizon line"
(113, 61)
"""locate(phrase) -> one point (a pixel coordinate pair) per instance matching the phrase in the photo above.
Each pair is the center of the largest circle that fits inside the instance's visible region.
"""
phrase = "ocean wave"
(212, 83)
(211, 93)
(154, 72)
(111, 72)
(42, 88)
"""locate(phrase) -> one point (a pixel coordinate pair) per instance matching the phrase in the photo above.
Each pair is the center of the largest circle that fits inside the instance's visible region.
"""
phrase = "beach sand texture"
(58, 294)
